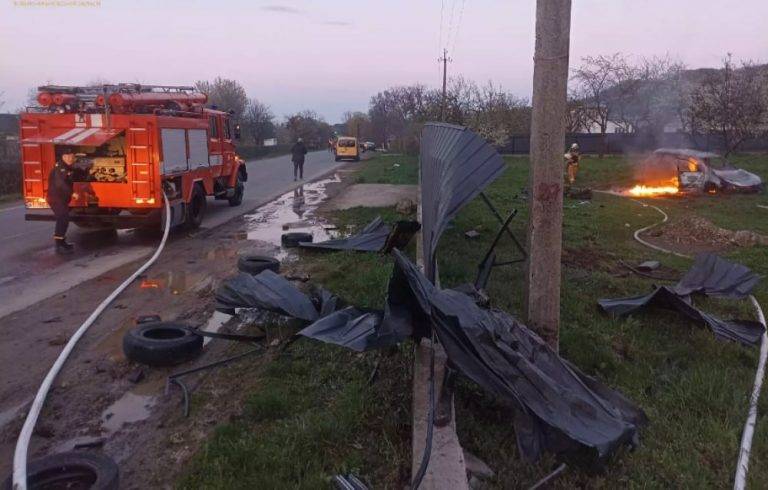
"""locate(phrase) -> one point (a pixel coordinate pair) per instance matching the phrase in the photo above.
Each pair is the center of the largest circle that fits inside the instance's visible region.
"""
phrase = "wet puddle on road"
(127, 409)
(291, 212)
(177, 282)
(133, 406)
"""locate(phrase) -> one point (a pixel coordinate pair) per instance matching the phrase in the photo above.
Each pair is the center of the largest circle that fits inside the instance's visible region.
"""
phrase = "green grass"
(389, 169)
(314, 415)
(694, 389)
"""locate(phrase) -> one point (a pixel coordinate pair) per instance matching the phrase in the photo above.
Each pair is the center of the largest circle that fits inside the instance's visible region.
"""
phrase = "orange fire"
(650, 191)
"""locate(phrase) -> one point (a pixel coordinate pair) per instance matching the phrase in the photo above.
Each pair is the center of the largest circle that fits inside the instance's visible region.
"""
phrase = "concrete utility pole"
(445, 59)
(545, 234)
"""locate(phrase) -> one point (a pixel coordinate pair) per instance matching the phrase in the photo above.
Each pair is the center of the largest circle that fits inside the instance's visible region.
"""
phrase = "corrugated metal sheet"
(456, 164)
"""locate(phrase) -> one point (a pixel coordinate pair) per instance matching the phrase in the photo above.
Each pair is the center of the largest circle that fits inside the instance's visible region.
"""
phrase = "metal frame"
(486, 265)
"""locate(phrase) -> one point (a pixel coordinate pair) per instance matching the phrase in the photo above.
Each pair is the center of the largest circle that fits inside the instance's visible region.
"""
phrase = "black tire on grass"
(292, 240)
(162, 344)
(254, 264)
(73, 469)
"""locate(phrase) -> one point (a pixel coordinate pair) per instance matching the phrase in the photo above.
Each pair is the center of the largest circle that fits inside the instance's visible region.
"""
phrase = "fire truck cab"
(135, 144)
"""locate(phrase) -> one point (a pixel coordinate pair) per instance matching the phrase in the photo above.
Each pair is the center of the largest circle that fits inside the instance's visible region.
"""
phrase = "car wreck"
(690, 172)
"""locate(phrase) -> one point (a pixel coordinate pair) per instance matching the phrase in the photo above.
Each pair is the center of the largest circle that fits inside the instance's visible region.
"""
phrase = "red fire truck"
(133, 142)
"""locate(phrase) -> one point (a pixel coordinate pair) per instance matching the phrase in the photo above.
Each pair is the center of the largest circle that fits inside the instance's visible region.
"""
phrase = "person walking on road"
(60, 192)
(297, 156)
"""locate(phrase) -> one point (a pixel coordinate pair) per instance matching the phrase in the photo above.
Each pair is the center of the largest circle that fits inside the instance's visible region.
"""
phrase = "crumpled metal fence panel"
(455, 164)
(710, 275)
(266, 291)
(561, 409)
(370, 239)
(714, 276)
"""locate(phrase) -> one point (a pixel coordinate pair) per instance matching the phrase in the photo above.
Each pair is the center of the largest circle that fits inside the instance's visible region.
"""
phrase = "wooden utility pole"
(545, 234)
(445, 59)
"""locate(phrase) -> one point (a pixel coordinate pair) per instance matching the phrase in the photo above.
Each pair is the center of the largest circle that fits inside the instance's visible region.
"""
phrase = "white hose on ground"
(22, 444)
(740, 482)
(644, 229)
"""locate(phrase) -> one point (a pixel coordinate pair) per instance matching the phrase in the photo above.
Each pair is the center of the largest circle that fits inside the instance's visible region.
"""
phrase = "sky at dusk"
(332, 55)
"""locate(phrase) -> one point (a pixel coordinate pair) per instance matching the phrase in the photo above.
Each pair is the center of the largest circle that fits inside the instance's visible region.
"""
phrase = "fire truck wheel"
(292, 240)
(253, 264)
(196, 208)
(74, 469)
(237, 199)
(162, 344)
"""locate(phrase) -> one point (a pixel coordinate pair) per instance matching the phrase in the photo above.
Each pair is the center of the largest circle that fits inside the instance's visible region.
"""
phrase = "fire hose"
(740, 481)
(654, 225)
(22, 444)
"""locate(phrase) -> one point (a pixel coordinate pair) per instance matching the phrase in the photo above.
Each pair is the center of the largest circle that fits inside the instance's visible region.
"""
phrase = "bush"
(10, 177)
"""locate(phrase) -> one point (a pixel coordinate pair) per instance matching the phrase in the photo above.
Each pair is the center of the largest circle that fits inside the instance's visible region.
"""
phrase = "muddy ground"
(106, 403)
(693, 234)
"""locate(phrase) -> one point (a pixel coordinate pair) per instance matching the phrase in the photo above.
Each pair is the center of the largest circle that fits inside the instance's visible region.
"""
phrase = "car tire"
(162, 344)
(338, 159)
(292, 240)
(254, 264)
(196, 208)
(73, 469)
(237, 198)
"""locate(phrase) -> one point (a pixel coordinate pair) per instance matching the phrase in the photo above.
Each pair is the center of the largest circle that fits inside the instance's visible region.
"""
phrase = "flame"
(647, 190)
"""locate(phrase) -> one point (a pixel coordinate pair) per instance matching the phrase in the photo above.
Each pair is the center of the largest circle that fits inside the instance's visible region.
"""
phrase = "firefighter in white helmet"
(572, 162)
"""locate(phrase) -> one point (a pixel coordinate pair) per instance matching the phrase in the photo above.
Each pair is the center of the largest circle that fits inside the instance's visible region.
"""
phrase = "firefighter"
(60, 192)
(297, 156)
(572, 162)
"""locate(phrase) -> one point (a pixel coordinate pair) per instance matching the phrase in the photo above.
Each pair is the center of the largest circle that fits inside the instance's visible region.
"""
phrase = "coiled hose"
(22, 444)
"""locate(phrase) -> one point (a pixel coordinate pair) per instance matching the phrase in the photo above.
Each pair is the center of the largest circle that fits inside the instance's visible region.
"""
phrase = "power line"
(458, 27)
(440, 38)
(450, 24)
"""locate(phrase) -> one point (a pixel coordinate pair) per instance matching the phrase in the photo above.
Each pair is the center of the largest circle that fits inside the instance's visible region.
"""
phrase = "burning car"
(682, 171)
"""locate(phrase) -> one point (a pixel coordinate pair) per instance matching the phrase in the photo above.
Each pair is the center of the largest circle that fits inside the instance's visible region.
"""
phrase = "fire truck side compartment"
(128, 154)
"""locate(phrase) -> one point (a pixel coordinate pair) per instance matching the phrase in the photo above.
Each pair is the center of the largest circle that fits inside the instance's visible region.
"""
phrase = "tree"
(398, 113)
(732, 103)
(575, 116)
(595, 78)
(225, 95)
(358, 124)
(497, 115)
(258, 121)
(647, 97)
(308, 126)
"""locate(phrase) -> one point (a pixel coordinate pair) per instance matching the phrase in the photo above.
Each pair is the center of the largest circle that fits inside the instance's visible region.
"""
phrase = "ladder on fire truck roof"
(120, 87)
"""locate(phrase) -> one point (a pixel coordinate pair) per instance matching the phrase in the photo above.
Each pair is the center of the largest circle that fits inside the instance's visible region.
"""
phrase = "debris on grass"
(711, 276)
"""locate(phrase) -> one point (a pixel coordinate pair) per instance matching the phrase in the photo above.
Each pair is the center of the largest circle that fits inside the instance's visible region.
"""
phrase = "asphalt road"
(30, 271)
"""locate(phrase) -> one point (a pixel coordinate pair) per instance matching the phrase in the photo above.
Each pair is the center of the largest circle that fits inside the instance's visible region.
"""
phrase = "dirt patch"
(589, 259)
(372, 196)
(692, 234)
(103, 401)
